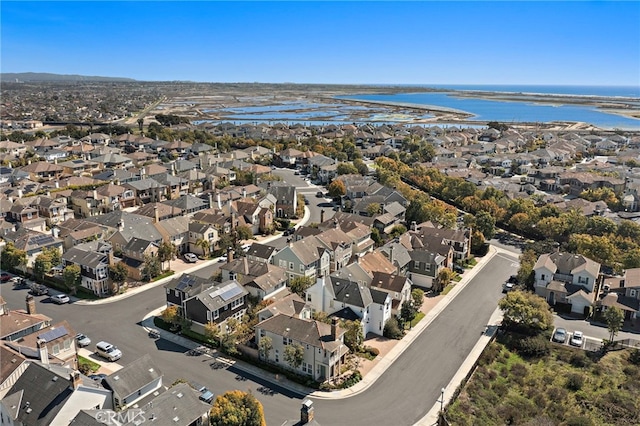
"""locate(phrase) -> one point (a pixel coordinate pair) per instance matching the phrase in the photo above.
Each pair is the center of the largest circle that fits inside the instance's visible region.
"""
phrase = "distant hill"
(43, 76)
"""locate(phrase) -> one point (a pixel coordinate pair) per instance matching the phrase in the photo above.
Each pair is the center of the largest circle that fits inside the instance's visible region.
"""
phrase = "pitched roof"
(314, 333)
(44, 393)
(133, 377)
(178, 405)
(221, 295)
(261, 251)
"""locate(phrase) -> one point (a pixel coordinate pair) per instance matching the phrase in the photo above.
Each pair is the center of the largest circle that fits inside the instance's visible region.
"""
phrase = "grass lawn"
(417, 319)
(163, 275)
(566, 387)
(448, 288)
(90, 365)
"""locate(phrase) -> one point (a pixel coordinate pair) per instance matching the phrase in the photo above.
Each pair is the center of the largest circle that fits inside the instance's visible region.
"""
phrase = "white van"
(108, 351)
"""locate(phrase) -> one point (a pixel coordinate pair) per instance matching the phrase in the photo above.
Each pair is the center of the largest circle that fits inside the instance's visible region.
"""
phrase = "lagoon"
(507, 111)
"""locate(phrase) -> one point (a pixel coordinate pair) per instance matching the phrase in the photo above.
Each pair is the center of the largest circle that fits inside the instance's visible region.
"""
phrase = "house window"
(262, 333)
(301, 268)
(211, 235)
(416, 264)
(175, 293)
(583, 280)
(291, 266)
(308, 297)
(277, 356)
(216, 314)
(55, 350)
(282, 263)
(542, 277)
(67, 344)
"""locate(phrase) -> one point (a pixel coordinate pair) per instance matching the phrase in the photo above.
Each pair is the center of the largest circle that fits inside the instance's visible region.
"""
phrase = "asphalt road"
(409, 387)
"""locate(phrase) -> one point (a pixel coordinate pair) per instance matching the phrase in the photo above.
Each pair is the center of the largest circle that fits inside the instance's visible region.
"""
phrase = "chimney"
(322, 216)
(20, 193)
(229, 255)
(306, 412)
(44, 352)
(219, 199)
(121, 225)
(414, 225)
(76, 380)
(156, 215)
(95, 194)
(334, 328)
(31, 305)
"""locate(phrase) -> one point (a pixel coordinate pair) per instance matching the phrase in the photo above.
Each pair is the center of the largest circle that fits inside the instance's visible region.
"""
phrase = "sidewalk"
(182, 270)
(384, 360)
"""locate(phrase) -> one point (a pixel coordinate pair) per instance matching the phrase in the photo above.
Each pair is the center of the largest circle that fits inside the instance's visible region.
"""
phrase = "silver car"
(60, 299)
(82, 340)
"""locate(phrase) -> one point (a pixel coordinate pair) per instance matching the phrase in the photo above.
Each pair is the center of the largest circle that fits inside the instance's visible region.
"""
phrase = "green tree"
(265, 347)
(346, 169)
(166, 251)
(392, 329)
(41, 265)
(337, 188)
(300, 284)
(614, 318)
(486, 224)
(408, 311)
(237, 408)
(375, 236)
(361, 167)
(443, 279)
(72, 277)
(294, 355)
(353, 335)
(417, 298)
(374, 209)
(54, 255)
(118, 274)
(140, 123)
(151, 267)
(204, 244)
(244, 232)
(12, 257)
(526, 311)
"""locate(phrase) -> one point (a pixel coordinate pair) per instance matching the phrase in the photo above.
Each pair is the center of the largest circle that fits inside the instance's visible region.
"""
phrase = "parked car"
(507, 287)
(577, 339)
(82, 340)
(288, 231)
(98, 377)
(4, 277)
(190, 257)
(319, 194)
(38, 289)
(246, 247)
(108, 351)
(458, 269)
(221, 258)
(60, 299)
(560, 335)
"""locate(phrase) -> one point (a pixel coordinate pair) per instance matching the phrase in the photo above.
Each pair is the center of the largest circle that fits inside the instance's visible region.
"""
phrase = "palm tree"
(205, 245)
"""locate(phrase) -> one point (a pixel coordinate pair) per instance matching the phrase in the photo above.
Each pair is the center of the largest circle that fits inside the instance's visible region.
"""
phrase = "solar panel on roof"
(231, 293)
(53, 334)
(42, 239)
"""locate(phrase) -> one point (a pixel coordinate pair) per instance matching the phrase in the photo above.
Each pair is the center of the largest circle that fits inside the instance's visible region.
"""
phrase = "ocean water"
(518, 111)
(608, 91)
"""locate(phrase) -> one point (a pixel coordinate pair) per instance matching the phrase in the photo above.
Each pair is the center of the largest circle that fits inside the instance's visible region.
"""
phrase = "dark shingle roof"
(133, 377)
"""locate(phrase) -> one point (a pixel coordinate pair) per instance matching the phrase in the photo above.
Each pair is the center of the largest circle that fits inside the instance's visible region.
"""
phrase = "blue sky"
(439, 42)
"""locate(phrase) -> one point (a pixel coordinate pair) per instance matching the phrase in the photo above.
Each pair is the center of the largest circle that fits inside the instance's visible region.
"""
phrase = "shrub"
(579, 360)
(634, 357)
(392, 329)
(575, 381)
(579, 421)
(519, 369)
(373, 351)
(533, 347)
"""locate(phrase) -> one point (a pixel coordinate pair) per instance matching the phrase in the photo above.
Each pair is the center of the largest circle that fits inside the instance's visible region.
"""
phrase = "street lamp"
(442, 400)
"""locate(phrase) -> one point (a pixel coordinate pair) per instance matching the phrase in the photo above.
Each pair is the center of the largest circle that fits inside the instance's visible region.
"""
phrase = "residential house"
(134, 382)
(458, 239)
(184, 287)
(323, 344)
(199, 232)
(261, 280)
(291, 304)
(304, 258)
(216, 304)
(26, 216)
(179, 405)
(12, 365)
(147, 191)
(134, 254)
(261, 253)
(175, 231)
(33, 243)
(41, 171)
(55, 344)
(17, 324)
(94, 259)
(397, 286)
(50, 395)
(286, 198)
(566, 278)
(258, 219)
(624, 295)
